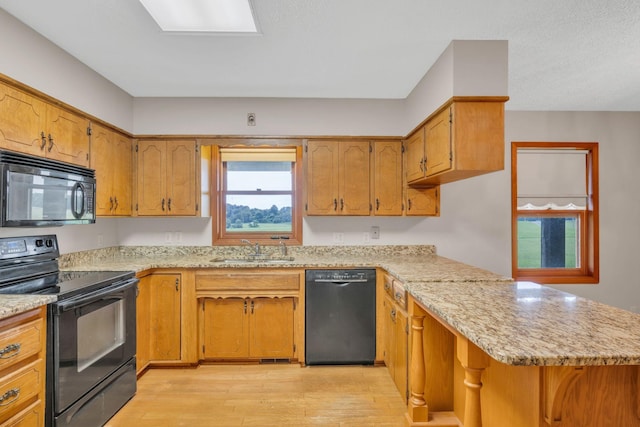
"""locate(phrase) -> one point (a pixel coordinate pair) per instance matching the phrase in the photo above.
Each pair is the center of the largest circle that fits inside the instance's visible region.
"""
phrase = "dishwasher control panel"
(340, 275)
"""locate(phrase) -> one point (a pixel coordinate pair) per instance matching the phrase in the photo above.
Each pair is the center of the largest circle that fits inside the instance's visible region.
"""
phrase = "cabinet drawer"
(399, 295)
(32, 416)
(20, 342)
(388, 285)
(247, 281)
(19, 387)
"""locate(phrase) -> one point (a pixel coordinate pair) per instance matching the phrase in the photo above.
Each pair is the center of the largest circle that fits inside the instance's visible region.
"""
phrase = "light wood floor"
(264, 395)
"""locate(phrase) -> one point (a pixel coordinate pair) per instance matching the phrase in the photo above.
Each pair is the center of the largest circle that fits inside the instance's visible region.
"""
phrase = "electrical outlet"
(168, 237)
(366, 237)
(375, 232)
(178, 237)
(338, 237)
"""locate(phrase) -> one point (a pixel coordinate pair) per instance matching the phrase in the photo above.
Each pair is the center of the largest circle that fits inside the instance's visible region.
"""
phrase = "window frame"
(589, 270)
(218, 213)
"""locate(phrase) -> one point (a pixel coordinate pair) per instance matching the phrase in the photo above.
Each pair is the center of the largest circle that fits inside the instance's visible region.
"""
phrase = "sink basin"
(253, 260)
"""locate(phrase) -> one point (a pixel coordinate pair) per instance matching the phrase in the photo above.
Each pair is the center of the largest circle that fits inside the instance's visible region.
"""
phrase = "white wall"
(33, 60)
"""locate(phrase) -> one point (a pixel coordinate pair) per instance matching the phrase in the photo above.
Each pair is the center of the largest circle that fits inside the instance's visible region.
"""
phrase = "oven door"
(93, 335)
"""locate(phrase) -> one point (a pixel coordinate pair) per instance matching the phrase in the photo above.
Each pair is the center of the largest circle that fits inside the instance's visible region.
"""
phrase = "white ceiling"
(563, 55)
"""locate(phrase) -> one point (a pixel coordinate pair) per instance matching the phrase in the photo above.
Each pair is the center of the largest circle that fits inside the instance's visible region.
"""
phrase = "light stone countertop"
(516, 323)
(15, 304)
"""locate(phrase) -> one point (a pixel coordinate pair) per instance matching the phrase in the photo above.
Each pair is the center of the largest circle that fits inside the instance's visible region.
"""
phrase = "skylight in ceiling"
(210, 16)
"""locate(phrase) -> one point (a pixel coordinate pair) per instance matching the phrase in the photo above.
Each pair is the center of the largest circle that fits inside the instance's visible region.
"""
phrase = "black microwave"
(39, 192)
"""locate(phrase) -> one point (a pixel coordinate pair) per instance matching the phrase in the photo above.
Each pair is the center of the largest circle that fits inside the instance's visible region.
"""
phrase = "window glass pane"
(258, 213)
(259, 176)
(548, 242)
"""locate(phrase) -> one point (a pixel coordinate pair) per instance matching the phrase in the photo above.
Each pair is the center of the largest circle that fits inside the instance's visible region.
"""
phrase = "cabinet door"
(322, 178)
(438, 148)
(122, 175)
(143, 324)
(401, 352)
(414, 155)
(390, 339)
(271, 328)
(226, 328)
(22, 120)
(67, 135)
(152, 165)
(387, 178)
(423, 201)
(353, 178)
(102, 161)
(181, 178)
(165, 316)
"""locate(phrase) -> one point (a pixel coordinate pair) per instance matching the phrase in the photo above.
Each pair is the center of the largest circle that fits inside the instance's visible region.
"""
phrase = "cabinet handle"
(341, 204)
(177, 285)
(335, 204)
(245, 306)
(408, 204)
(12, 349)
(251, 306)
(115, 199)
(110, 204)
(393, 315)
(377, 204)
(169, 204)
(387, 286)
(44, 140)
(398, 296)
(50, 143)
(12, 394)
(422, 164)
(162, 205)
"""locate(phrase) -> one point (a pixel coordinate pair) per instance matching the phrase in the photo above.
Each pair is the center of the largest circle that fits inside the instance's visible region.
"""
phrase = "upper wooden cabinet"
(337, 175)
(32, 126)
(167, 178)
(112, 159)
(464, 138)
(386, 178)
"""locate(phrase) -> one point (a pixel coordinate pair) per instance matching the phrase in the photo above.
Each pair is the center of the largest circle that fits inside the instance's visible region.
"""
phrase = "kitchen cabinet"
(33, 126)
(112, 159)
(167, 178)
(422, 201)
(22, 368)
(143, 324)
(337, 176)
(396, 334)
(386, 178)
(462, 139)
(249, 314)
(253, 328)
(165, 317)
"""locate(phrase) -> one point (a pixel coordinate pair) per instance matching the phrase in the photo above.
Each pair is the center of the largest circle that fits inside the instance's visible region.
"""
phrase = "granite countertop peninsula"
(15, 304)
(516, 323)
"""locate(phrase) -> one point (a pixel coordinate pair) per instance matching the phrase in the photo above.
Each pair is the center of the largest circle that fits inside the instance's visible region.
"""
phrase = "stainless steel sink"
(253, 260)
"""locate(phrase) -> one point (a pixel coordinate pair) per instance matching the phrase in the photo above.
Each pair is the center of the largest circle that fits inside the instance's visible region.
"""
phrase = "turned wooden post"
(417, 410)
(474, 361)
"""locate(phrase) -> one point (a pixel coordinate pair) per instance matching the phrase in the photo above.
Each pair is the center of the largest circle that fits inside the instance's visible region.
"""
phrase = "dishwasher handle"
(345, 282)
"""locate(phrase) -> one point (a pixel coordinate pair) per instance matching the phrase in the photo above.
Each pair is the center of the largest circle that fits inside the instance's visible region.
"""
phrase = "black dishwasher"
(340, 317)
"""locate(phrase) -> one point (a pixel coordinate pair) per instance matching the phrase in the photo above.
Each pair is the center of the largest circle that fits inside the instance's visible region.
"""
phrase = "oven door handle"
(105, 293)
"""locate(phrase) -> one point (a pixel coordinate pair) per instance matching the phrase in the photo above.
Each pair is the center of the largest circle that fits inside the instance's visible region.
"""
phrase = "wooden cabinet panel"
(423, 201)
(247, 328)
(226, 325)
(111, 158)
(165, 318)
(396, 335)
(22, 119)
(247, 281)
(143, 324)
(67, 135)
(322, 177)
(32, 126)
(167, 177)
(464, 138)
(338, 178)
(271, 328)
(387, 178)
(22, 368)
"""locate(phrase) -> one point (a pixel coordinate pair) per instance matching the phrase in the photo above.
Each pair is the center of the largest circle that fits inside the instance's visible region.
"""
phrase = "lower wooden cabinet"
(164, 291)
(396, 335)
(22, 368)
(143, 324)
(247, 328)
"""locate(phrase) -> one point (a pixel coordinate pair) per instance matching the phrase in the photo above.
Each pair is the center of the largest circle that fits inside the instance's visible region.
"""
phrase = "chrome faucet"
(256, 247)
(283, 248)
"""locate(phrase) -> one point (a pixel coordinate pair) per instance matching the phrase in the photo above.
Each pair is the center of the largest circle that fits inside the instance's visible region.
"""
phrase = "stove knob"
(39, 243)
(49, 243)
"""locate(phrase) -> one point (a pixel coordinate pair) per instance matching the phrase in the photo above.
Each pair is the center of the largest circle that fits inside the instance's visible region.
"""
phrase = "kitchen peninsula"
(483, 350)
